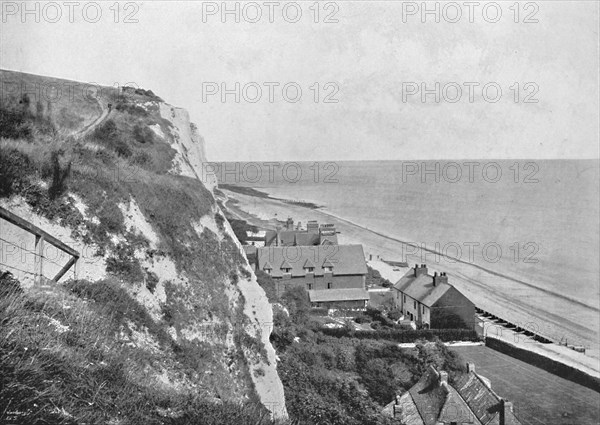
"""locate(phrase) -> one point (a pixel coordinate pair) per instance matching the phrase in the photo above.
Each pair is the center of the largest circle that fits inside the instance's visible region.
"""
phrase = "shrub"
(124, 264)
(395, 314)
(268, 284)
(14, 172)
(143, 134)
(8, 284)
(14, 125)
(363, 318)
(297, 303)
(143, 159)
(59, 177)
(151, 281)
(374, 278)
(240, 227)
(108, 135)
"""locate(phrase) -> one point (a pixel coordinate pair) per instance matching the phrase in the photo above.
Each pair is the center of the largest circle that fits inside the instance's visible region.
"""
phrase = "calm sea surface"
(535, 221)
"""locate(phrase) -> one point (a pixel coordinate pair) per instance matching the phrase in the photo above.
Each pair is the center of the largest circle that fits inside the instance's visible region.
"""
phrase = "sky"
(376, 80)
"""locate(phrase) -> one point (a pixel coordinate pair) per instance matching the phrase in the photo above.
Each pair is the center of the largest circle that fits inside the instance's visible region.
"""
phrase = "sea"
(534, 221)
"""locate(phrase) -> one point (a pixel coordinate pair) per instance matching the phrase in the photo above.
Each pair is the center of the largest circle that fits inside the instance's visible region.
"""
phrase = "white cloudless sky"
(370, 54)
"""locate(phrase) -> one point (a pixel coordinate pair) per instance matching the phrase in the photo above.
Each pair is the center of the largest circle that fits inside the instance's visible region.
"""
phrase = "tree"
(296, 300)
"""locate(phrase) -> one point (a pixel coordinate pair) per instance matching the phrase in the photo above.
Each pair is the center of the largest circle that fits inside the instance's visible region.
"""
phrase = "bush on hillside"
(8, 284)
(296, 300)
(14, 124)
(240, 227)
(58, 186)
(374, 278)
(14, 173)
(268, 284)
(108, 135)
(143, 134)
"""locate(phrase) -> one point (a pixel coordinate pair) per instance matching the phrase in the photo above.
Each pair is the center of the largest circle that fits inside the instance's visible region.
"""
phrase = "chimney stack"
(470, 367)
(443, 377)
(419, 270)
(506, 408)
(441, 278)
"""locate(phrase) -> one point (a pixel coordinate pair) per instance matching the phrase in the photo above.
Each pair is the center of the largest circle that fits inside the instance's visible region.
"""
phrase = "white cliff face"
(191, 161)
(191, 154)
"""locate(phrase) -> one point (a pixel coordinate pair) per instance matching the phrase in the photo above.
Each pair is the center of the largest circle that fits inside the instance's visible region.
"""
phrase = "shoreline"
(489, 291)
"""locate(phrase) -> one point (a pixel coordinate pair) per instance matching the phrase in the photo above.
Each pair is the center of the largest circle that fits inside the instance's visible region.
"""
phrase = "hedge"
(402, 336)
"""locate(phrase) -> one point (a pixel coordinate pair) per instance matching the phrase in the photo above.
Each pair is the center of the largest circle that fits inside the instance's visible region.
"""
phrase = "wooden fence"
(41, 237)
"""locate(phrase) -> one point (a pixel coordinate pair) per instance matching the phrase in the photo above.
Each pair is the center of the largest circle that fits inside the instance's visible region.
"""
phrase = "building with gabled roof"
(430, 301)
(433, 401)
(333, 275)
(313, 235)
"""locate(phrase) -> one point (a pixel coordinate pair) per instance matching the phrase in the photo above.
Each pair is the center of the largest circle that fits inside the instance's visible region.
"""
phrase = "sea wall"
(550, 365)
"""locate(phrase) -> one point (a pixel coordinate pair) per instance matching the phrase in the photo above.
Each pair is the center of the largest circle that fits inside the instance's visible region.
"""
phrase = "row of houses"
(335, 275)
(313, 235)
(431, 301)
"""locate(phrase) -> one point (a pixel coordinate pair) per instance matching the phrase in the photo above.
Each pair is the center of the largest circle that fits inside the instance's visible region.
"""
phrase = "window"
(415, 304)
(329, 285)
(403, 298)
(328, 269)
(268, 271)
(309, 286)
(310, 269)
(286, 270)
(423, 311)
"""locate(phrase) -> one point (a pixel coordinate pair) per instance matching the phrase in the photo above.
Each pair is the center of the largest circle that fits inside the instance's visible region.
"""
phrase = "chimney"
(506, 407)
(470, 367)
(443, 377)
(442, 278)
(419, 270)
(312, 226)
(278, 236)
(289, 225)
(397, 411)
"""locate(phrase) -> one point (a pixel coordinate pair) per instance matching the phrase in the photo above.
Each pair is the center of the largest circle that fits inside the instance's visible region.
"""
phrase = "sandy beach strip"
(501, 296)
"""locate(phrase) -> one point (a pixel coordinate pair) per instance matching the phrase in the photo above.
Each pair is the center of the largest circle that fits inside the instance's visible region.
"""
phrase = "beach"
(513, 300)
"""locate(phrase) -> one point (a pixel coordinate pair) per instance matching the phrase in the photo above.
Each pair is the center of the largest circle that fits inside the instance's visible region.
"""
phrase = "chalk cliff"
(139, 207)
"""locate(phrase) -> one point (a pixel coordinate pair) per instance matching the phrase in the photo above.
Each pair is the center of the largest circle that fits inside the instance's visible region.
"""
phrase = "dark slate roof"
(409, 414)
(421, 288)
(331, 295)
(484, 402)
(288, 237)
(292, 237)
(307, 239)
(429, 397)
(470, 400)
(270, 237)
(345, 259)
